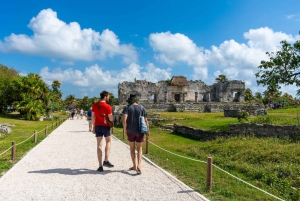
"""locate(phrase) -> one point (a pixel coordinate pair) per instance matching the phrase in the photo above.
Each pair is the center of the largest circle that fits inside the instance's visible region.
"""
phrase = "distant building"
(179, 90)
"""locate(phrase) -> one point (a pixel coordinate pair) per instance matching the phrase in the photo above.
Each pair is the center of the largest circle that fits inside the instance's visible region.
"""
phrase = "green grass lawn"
(22, 131)
(268, 163)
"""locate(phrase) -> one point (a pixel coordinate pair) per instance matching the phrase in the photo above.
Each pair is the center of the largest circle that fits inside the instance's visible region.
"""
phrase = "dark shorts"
(135, 137)
(102, 131)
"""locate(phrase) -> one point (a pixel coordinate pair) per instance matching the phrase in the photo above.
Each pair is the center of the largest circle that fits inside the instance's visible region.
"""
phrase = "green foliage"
(282, 68)
(243, 116)
(7, 75)
(32, 96)
(169, 82)
(112, 99)
(248, 95)
(221, 78)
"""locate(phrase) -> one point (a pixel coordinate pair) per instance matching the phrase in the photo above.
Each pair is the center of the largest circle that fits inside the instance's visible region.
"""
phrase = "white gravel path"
(63, 167)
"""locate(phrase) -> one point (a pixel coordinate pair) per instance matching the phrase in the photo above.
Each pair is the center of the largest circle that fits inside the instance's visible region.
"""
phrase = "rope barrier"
(25, 140)
(41, 131)
(177, 154)
(221, 170)
(22, 142)
(248, 183)
(217, 168)
(6, 150)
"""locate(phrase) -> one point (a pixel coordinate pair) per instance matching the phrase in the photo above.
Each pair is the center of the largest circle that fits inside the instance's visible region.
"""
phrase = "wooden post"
(52, 127)
(209, 174)
(112, 130)
(56, 124)
(46, 130)
(147, 144)
(13, 151)
(35, 136)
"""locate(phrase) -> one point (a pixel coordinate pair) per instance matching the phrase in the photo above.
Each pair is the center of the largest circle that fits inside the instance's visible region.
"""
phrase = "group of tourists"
(75, 113)
(97, 117)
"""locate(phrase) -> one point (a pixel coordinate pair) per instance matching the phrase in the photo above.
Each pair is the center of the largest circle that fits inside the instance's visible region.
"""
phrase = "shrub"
(243, 116)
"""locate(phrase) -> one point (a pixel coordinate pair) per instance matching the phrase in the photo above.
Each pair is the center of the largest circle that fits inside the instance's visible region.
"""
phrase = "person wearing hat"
(131, 115)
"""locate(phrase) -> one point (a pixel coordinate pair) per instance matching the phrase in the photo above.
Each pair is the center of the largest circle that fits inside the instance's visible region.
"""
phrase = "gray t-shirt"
(133, 115)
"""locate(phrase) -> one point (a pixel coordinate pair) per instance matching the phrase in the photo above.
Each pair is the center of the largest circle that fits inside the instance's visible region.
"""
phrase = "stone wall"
(245, 129)
(256, 109)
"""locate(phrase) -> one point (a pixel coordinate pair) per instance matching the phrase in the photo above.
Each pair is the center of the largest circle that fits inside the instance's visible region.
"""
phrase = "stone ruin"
(178, 94)
(5, 128)
(179, 90)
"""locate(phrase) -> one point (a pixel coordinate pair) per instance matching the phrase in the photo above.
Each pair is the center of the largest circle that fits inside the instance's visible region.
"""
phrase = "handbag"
(109, 122)
(142, 125)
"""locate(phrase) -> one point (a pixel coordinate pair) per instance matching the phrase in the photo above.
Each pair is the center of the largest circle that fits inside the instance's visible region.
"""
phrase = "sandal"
(132, 168)
(138, 171)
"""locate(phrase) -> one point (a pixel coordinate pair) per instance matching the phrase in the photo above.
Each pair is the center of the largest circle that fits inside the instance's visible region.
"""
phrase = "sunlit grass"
(22, 131)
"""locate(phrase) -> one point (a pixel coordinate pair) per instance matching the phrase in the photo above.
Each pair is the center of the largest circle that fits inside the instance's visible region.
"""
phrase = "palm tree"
(56, 85)
(70, 99)
(221, 78)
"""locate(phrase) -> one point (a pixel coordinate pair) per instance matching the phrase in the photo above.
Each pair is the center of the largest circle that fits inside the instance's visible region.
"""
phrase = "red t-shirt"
(105, 108)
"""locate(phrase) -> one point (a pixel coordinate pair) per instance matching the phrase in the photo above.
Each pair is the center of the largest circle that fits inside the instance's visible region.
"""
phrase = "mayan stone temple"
(179, 90)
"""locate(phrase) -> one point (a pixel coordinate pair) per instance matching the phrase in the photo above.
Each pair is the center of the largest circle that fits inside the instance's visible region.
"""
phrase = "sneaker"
(107, 164)
(100, 169)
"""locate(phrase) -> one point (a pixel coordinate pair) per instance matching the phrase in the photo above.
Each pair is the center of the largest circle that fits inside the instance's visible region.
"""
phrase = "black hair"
(103, 94)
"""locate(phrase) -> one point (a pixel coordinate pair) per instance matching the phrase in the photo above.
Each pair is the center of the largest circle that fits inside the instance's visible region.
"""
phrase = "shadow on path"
(68, 171)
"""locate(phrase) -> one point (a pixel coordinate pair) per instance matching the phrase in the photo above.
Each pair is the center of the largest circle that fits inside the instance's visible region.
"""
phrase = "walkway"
(62, 167)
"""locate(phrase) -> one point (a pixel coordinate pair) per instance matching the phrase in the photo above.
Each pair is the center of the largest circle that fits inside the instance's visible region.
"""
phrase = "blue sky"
(90, 46)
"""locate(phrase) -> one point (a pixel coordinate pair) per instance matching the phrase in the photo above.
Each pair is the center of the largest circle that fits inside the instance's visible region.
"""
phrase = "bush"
(243, 116)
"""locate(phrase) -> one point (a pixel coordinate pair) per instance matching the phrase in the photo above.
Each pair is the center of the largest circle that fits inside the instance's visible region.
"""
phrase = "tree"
(271, 94)
(282, 68)
(7, 75)
(31, 95)
(221, 78)
(70, 99)
(112, 99)
(248, 95)
(258, 95)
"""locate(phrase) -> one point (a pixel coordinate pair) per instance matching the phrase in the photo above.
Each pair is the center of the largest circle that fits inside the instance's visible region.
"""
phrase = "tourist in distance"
(101, 128)
(89, 118)
(131, 115)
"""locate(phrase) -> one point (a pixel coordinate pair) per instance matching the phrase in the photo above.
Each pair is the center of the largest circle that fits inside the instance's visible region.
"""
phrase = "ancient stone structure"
(179, 90)
(245, 129)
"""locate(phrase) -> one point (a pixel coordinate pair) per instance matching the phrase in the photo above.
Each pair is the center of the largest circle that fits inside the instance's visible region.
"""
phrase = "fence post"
(52, 127)
(209, 174)
(46, 130)
(35, 136)
(56, 124)
(147, 144)
(112, 130)
(13, 151)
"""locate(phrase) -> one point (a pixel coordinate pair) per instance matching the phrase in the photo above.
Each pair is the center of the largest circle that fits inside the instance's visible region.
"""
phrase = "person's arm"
(147, 123)
(124, 123)
(110, 115)
(93, 122)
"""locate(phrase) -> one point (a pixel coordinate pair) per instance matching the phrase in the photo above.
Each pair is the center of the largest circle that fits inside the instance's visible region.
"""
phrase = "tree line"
(32, 97)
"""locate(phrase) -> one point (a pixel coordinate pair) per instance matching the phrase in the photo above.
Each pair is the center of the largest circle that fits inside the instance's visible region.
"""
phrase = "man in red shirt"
(101, 128)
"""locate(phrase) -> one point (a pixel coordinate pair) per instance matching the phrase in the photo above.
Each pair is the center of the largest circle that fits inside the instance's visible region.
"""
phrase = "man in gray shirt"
(131, 115)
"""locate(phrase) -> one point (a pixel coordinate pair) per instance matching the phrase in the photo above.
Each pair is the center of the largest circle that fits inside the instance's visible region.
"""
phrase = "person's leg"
(99, 150)
(107, 147)
(140, 154)
(132, 154)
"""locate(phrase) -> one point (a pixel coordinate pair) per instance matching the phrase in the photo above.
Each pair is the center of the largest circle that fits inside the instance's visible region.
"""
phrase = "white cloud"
(174, 48)
(238, 61)
(55, 38)
(95, 77)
